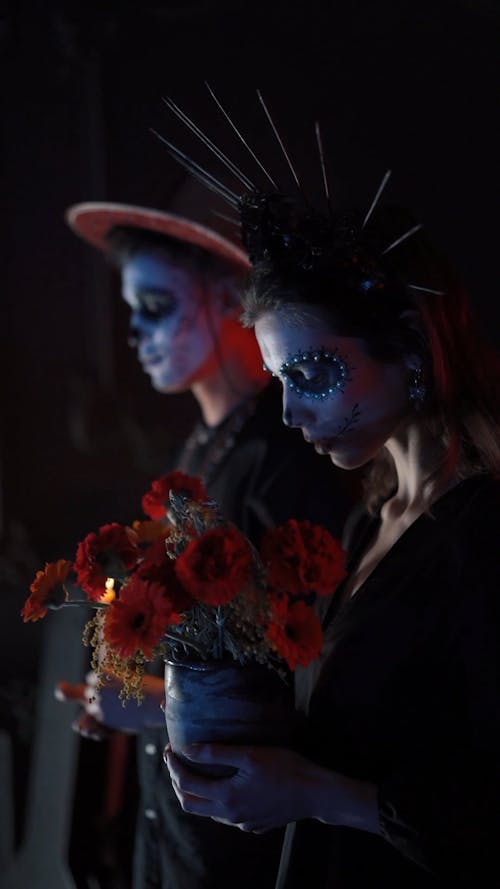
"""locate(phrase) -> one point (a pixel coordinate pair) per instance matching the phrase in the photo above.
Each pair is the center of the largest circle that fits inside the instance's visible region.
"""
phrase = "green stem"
(78, 602)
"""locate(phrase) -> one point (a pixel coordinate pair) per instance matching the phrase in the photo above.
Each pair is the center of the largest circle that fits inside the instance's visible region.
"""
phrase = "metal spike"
(426, 289)
(208, 142)
(240, 137)
(323, 167)
(406, 235)
(231, 219)
(198, 172)
(280, 141)
(377, 196)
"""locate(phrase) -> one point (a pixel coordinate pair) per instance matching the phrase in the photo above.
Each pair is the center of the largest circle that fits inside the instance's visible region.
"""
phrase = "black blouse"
(407, 696)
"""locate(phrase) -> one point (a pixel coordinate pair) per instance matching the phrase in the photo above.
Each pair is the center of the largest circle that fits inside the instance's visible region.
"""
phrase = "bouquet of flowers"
(187, 583)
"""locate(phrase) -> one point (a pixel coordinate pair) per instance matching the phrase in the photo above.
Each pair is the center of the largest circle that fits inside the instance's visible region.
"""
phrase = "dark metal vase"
(222, 701)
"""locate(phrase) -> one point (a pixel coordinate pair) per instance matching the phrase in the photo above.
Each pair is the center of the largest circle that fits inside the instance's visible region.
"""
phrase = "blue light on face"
(315, 373)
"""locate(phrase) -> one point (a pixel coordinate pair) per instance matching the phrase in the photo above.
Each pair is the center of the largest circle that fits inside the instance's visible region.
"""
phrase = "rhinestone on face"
(315, 355)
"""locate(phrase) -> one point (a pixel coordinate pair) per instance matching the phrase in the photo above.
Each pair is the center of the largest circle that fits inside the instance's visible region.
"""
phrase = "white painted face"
(174, 319)
(347, 404)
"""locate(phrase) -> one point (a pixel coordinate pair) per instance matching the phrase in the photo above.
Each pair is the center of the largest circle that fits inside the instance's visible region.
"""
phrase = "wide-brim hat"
(93, 221)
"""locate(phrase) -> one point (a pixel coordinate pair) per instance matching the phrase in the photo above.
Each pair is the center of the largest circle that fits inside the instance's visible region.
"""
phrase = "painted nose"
(140, 327)
(296, 411)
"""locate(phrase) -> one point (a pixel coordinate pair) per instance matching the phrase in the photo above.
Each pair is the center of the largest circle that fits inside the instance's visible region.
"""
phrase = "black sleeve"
(442, 809)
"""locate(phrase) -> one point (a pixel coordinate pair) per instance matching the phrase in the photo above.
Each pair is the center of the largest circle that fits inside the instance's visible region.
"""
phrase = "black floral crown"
(283, 231)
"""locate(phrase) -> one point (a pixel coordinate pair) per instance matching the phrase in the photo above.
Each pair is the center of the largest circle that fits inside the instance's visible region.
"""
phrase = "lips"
(323, 445)
(151, 360)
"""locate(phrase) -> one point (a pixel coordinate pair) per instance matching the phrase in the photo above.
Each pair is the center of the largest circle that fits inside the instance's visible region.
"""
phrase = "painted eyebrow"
(160, 292)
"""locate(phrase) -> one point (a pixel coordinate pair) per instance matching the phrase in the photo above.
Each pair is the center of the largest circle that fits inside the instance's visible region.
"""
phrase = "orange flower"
(149, 531)
(46, 590)
(296, 635)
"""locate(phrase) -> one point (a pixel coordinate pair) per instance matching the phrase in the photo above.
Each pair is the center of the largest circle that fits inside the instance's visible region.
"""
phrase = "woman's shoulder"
(470, 536)
(474, 506)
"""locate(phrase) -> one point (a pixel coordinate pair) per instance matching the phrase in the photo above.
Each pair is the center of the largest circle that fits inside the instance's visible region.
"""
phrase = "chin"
(169, 387)
(350, 459)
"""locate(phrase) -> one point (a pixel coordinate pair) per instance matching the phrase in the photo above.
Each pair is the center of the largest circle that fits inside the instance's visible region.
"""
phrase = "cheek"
(184, 332)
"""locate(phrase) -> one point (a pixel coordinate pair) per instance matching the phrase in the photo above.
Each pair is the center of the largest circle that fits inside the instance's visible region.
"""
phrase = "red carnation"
(112, 552)
(303, 558)
(158, 567)
(215, 566)
(156, 501)
(296, 636)
(47, 589)
(138, 619)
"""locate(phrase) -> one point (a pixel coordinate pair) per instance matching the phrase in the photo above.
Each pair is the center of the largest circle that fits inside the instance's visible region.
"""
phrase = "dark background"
(407, 85)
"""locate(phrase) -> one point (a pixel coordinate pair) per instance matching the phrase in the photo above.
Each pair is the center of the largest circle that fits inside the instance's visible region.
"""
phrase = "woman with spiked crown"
(181, 282)
(395, 779)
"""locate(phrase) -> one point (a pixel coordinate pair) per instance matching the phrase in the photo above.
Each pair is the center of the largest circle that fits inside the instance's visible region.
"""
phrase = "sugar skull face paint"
(173, 321)
(315, 373)
(346, 403)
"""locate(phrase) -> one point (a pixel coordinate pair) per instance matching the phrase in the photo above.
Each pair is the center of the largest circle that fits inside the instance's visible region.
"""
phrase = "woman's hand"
(271, 787)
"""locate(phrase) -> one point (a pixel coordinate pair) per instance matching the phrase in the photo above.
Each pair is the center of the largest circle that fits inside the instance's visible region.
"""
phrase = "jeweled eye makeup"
(315, 373)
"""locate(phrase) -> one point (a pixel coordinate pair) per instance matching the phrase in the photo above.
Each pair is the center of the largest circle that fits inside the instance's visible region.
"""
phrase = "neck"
(419, 459)
(236, 376)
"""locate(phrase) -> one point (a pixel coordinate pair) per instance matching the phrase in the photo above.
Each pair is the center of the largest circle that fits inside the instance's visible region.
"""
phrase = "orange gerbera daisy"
(149, 531)
(46, 590)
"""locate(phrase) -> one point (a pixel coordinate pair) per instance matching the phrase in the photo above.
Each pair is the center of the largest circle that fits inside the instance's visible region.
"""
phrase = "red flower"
(215, 566)
(156, 501)
(138, 619)
(158, 567)
(112, 552)
(47, 589)
(296, 636)
(303, 558)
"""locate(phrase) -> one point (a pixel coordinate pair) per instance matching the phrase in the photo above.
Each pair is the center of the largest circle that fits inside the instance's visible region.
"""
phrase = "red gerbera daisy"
(46, 589)
(156, 501)
(215, 566)
(112, 552)
(296, 637)
(136, 621)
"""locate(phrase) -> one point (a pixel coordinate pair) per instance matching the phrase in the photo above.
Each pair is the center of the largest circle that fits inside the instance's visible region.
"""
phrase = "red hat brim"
(93, 221)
